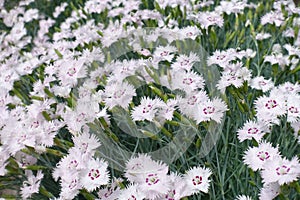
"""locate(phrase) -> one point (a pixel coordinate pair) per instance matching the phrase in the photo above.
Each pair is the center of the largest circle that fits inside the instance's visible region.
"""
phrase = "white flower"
(205, 3)
(189, 32)
(221, 58)
(188, 105)
(85, 112)
(70, 186)
(94, 175)
(269, 191)
(7, 78)
(197, 179)
(32, 184)
(151, 176)
(234, 77)
(166, 110)
(233, 6)
(17, 137)
(262, 36)
(96, 6)
(144, 52)
(278, 58)
(17, 32)
(147, 109)
(256, 157)
(293, 108)
(184, 62)
(276, 18)
(164, 53)
(177, 188)
(210, 110)
(289, 32)
(260, 83)
(30, 15)
(112, 191)
(138, 167)
(118, 94)
(243, 197)
(132, 192)
(121, 70)
(252, 129)
(186, 81)
(281, 170)
(86, 143)
(269, 108)
(70, 70)
(292, 50)
(154, 184)
(24, 159)
(289, 88)
(3, 160)
(72, 163)
(59, 9)
(207, 19)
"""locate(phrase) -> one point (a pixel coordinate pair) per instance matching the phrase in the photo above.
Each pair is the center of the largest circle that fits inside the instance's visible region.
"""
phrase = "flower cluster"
(154, 68)
(79, 169)
(150, 179)
(282, 102)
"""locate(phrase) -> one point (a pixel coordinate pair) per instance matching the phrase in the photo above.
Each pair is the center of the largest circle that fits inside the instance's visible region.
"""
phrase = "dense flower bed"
(142, 99)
